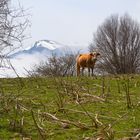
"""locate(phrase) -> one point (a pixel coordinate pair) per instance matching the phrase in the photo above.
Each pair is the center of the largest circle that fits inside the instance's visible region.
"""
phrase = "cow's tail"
(77, 65)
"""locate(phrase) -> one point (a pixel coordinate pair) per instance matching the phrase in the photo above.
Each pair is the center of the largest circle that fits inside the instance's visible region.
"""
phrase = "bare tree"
(13, 23)
(57, 66)
(118, 40)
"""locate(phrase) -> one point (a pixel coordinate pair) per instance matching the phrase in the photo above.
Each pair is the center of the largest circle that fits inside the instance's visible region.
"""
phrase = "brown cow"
(86, 61)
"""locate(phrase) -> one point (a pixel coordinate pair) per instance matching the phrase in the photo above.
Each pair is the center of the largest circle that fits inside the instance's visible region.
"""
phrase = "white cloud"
(22, 65)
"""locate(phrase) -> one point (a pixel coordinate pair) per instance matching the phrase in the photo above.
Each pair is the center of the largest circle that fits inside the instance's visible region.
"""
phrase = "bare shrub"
(57, 66)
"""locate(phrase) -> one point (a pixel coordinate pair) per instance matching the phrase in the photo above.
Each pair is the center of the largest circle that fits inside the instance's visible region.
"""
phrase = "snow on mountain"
(52, 45)
(42, 47)
(24, 60)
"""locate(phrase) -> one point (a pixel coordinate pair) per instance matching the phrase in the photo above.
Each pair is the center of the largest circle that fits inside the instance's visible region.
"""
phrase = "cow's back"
(83, 59)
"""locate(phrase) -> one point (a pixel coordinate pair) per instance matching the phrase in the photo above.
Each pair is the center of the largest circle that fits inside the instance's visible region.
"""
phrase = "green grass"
(25, 102)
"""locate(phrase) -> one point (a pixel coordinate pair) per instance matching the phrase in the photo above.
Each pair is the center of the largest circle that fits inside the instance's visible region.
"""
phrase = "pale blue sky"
(74, 21)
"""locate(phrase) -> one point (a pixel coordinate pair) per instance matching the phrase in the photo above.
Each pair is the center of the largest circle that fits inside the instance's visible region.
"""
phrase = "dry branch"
(94, 96)
(77, 124)
(39, 128)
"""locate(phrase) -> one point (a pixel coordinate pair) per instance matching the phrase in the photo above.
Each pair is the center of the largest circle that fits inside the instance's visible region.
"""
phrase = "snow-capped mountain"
(45, 48)
(25, 60)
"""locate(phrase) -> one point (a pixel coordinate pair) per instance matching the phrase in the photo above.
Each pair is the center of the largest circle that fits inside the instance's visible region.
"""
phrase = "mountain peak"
(42, 47)
(49, 44)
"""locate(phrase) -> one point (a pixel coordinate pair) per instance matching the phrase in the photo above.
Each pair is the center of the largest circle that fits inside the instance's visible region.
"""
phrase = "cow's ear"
(91, 54)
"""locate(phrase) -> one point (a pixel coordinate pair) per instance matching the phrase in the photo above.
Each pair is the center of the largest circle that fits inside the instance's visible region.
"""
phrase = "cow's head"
(94, 55)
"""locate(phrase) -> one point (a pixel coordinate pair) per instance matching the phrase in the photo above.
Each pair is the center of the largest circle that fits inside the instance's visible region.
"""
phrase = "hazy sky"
(74, 21)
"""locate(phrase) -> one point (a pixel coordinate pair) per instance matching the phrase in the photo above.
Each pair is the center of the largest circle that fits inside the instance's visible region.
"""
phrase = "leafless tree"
(13, 23)
(57, 66)
(118, 40)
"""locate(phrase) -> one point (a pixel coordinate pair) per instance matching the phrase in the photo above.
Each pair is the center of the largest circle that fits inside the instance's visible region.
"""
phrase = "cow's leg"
(88, 71)
(78, 69)
(92, 71)
(82, 71)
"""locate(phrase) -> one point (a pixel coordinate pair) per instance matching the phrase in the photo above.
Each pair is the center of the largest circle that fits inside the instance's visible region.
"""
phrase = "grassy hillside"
(70, 108)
